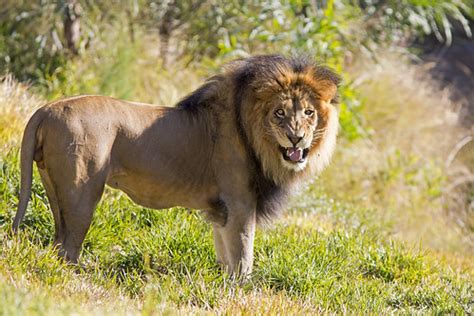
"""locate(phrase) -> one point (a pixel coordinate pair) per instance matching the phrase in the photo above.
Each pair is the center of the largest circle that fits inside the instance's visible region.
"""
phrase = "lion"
(235, 148)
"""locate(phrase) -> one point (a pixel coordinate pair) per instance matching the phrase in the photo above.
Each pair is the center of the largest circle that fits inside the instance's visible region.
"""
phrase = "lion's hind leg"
(53, 202)
(76, 216)
(74, 192)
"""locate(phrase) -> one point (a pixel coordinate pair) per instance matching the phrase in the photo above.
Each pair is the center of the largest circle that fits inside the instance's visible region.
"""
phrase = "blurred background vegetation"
(388, 227)
(406, 112)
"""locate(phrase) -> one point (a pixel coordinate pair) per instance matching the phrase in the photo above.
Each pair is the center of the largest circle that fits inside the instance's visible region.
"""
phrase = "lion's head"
(285, 107)
(284, 112)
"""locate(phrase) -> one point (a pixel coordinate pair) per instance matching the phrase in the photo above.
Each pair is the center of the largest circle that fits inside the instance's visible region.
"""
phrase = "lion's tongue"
(294, 154)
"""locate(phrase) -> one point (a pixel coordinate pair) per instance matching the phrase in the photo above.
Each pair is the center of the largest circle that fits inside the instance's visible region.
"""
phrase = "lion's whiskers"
(316, 138)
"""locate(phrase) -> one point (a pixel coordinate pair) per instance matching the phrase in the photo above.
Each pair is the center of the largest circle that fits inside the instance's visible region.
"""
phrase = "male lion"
(234, 148)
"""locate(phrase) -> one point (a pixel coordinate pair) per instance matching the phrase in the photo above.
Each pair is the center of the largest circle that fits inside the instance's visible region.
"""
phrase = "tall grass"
(16, 105)
(129, 70)
(400, 169)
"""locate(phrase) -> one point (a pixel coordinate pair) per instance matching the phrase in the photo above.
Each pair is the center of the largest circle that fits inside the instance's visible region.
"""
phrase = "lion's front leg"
(235, 240)
(219, 246)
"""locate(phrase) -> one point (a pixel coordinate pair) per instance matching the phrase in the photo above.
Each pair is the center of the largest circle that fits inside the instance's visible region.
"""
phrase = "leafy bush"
(392, 20)
(115, 38)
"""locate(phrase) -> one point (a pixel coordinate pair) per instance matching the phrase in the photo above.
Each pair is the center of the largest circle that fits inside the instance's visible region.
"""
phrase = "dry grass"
(400, 170)
(16, 106)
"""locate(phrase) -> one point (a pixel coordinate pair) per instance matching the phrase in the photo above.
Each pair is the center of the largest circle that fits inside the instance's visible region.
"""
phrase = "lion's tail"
(28, 145)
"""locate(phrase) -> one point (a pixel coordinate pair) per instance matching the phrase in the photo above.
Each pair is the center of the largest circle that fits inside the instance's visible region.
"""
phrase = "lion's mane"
(242, 89)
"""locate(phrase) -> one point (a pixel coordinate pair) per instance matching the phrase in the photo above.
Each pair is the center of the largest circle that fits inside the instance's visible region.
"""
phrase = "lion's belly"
(162, 194)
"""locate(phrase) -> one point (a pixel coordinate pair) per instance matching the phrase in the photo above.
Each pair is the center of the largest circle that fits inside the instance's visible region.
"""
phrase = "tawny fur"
(221, 150)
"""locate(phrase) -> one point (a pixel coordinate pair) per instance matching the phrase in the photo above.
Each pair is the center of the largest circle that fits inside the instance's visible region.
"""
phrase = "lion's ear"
(327, 82)
(327, 90)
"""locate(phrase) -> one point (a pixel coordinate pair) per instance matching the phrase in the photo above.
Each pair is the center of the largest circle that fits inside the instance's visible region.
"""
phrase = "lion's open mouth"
(294, 154)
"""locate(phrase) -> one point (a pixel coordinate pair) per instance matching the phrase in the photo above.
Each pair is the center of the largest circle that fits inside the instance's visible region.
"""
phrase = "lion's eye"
(280, 113)
(309, 112)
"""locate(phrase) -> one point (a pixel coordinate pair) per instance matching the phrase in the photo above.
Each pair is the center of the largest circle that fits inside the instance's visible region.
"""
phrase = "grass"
(323, 256)
(154, 260)
(399, 171)
(16, 104)
(157, 260)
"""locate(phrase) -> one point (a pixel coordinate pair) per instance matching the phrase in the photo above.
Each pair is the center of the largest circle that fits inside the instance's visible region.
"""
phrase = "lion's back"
(87, 126)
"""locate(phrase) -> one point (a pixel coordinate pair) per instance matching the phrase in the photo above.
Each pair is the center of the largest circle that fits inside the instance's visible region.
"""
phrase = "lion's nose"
(294, 139)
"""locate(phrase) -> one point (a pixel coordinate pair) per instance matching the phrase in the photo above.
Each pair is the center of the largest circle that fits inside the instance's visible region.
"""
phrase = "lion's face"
(285, 110)
(293, 121)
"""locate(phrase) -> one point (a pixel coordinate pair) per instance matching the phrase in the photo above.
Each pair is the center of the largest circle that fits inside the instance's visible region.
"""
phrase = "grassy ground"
(325, 255)
(156, 261)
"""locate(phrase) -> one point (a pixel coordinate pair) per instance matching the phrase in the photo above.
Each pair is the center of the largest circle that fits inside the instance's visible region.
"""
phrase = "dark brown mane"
(257, 78)
(271, 197)
(203, 97)
(272, 73)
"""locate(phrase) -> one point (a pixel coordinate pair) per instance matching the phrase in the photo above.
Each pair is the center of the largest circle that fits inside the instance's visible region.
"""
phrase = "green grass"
(137, 260)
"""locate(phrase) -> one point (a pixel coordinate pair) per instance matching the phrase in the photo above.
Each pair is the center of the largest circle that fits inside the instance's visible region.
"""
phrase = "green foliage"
(31, 38)
(220, 31)
(110, 72)
(32, 44)
(349, 114)
(287, 27)
(396, 20)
